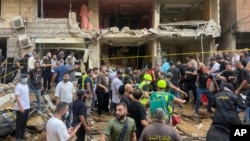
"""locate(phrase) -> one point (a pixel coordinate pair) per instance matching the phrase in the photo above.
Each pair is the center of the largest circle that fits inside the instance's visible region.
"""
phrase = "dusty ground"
(196, 127)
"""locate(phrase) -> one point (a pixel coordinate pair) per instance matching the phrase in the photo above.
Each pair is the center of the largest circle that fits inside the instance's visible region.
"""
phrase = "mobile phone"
(77, 124)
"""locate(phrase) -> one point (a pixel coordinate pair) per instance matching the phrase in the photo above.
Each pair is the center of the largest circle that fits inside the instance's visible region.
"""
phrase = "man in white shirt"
(72, 55)
(64, 93)
(215, 70)
(115, 84)
(22, 107)
(56, 129)
(32, 60)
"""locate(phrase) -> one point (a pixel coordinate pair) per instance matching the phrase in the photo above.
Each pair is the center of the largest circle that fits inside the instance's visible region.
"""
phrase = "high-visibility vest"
(83, 79)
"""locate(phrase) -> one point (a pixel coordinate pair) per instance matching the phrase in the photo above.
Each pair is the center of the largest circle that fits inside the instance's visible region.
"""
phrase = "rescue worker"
(145, 87)
(168, 100)
(226, 104)
(80, 82)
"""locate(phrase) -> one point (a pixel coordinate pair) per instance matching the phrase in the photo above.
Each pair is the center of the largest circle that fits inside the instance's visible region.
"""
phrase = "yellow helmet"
(162, 84)
(147, 77)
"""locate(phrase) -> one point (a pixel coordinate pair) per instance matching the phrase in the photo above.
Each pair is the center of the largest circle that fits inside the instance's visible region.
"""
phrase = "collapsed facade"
(115, 32)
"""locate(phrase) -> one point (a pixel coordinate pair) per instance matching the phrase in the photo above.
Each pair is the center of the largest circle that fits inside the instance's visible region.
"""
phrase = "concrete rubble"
(36, 125)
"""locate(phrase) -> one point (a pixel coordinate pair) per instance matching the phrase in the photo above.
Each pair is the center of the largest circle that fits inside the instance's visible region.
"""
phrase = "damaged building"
(115, 32)
(235, 15)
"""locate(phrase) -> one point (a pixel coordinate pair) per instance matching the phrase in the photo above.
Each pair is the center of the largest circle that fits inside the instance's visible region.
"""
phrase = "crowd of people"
(129, 94)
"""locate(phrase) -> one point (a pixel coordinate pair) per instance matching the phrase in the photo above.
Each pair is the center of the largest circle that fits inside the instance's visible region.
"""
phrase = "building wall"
(193, 48)
(243, 15)
(228, 24)
(11, 8)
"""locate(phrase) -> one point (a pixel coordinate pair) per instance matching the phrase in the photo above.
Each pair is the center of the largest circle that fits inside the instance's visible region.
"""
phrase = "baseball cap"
(24, 75)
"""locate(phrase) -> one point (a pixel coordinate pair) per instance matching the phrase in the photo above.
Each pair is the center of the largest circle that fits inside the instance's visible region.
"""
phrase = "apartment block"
(119, 33)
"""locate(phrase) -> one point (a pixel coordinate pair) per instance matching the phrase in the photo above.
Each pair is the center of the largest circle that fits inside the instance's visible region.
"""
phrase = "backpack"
(159, 100)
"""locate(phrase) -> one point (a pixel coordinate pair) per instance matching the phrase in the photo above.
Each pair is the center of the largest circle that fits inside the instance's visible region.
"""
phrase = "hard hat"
(147, 77)
(162, 84)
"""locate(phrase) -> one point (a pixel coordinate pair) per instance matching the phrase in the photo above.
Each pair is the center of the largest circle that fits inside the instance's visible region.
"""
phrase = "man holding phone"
(79, 111)
(56, 129)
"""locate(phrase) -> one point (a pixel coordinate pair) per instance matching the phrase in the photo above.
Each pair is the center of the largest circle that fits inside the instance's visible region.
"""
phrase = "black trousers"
(21, 121)
(80, 134)
(190, 86)
(103, 102)
(47, 81)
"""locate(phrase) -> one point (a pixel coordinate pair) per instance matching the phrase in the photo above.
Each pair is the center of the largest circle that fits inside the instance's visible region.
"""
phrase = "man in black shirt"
(190, 79)
(2, 63)
(222, 63)
(47, 73)
(226, 76)
(79, 111)
(22, 64)
(138, 113)
(242, 80)
(175, 80)
(36, 84)
(125, 94)
(203, 77)
(226, 114)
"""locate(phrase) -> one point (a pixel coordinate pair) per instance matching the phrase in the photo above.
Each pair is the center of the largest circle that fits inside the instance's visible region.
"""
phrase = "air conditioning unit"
(17, 22)
(24, 41)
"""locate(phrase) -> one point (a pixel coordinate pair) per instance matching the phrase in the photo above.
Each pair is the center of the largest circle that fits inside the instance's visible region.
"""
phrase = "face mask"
(24, 80)
(148, 82)
(66, 115)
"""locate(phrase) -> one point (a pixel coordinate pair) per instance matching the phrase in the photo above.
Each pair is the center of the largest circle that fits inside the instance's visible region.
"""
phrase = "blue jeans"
(247, 115)
(68, 118)
(199, 92)
(38, 97)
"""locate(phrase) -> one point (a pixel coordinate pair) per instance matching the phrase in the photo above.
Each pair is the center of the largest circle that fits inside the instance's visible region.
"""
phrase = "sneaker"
(179, 108)
(196, 115)
(39, 112)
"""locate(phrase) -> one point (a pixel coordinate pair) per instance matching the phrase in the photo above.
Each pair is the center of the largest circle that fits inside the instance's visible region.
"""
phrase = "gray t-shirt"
(158, 132)
(65, 90)
(102, 79)
(71, 72)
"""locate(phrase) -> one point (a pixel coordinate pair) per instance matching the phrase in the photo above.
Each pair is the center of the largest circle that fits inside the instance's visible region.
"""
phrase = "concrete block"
(6, 98)
(9, 4)
(11, 14)
(11, 10)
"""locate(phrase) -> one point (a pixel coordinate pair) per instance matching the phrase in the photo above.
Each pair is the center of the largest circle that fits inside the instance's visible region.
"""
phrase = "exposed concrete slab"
(7, 98)
(59, 40)
(191, 28)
